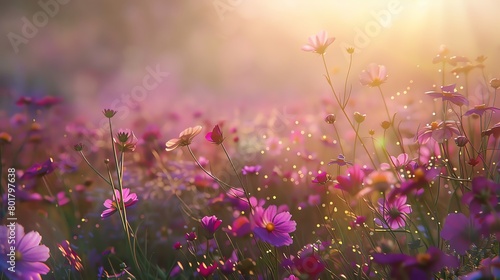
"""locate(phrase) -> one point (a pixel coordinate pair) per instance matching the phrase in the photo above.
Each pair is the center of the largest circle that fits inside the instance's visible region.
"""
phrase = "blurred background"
(223, 56)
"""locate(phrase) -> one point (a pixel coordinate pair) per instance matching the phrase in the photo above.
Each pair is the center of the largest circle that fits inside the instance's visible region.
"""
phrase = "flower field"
(361, 164)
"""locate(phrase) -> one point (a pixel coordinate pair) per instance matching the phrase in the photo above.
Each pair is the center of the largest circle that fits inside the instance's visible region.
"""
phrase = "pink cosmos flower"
(185, 138)
(373, 76)
(322, 178)
(351, 182)
(28, 256)
(318, 43)
(112, 205)
(438, 131)
(448, 93)
(480, 109)
(215, 136)
(250, 169)
(209, 224)
(393, 213)
(272, 227)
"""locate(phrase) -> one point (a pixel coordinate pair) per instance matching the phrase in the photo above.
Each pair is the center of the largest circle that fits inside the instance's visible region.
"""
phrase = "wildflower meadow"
(374, 170)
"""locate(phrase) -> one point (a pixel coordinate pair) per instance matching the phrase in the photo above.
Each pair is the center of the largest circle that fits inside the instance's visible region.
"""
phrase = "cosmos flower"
(125, 141)
(185, 138)
(460, 232)
(340, 161)
(420, 178)
(112, 205)
(318, 43)
(393, 212)
(483, 195)
(378, 181)
(494, 130)
(421, 266)
(39, 170)
(480, 109)
(438, 131)
(71, 256)
(448, 93)
(48, 101)
(351, 182)
(240, 227)
(272, 227)
(215, 136)
(250, 169)
(322, 178)
(373, 76)
(27, 257)
(209, 224)
(207, 270)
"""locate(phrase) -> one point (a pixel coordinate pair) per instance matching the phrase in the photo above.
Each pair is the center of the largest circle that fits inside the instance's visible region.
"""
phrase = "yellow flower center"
(419, 174)
(270, 227)
(423, 258)
(19, 256)
(434, 125)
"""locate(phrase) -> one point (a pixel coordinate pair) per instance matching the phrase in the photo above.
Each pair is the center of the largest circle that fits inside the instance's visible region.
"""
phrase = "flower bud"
(330, 119)
(108, 113)
(461, 141)
(386, 124)
(495, 83)
(78, 147)
(358, 117)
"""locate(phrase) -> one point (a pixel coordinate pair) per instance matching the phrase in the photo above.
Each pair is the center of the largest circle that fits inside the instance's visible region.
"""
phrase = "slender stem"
(343, 109)
(95, 170)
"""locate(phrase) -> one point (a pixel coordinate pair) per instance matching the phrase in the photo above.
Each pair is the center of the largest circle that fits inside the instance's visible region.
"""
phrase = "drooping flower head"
(209, 224)
(215, 136)
(27, 257)
(112, 206)
(185, 138)
(318, 43)
(273, 227)
(374, 75)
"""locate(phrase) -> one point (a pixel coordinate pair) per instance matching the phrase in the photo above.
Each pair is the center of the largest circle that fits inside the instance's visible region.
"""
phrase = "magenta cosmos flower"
(318, 43)
(26, 260)
(483, 196)
(393, 212)
(374, 75)
(39, 169)
(353, 181)
(273, 227)
(448, 93)
(421, 266)
(215, 136)
(438, 131)
(112, 205)
(461, 232)
(209, 225)
(185, 138)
